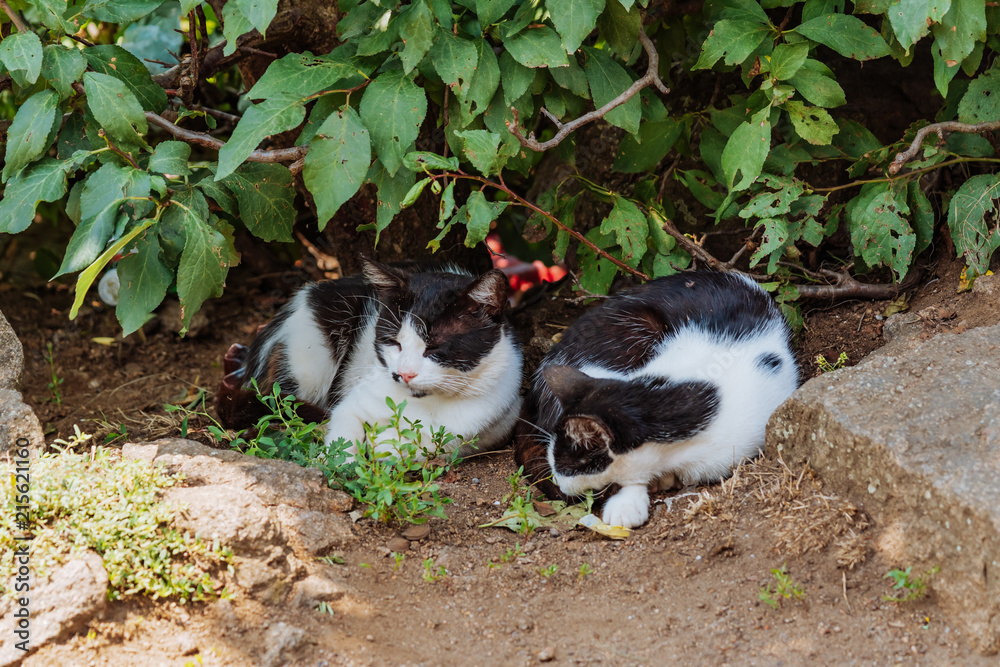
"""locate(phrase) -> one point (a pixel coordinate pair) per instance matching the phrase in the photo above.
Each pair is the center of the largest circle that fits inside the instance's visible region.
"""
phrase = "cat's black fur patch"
(769, 362)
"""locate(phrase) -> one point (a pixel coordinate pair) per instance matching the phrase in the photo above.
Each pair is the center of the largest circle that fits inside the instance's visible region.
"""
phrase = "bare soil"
(684, 589)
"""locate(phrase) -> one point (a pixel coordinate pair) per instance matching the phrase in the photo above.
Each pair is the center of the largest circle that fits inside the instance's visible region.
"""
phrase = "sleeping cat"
(677, 376)
(438, 339)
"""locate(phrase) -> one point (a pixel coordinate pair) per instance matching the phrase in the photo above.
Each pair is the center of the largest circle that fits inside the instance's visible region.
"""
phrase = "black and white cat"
(438, 339)
(676, 376)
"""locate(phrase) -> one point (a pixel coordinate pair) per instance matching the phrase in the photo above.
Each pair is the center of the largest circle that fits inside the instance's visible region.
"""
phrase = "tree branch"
(14, 17)
(208, 141)
(939, 129)
(844, 286)
(651, 77)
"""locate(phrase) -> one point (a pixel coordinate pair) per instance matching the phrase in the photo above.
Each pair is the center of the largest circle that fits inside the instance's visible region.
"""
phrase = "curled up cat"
(676, 376)
(438, 339)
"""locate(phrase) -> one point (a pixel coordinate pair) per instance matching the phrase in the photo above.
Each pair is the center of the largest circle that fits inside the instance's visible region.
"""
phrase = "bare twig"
(208, 141)
(939, 129)
(221, 115)
(651, 77)
(14, 17)
(844, 286)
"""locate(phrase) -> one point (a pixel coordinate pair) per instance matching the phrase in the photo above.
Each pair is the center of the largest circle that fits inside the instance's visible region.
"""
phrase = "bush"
(131, 155)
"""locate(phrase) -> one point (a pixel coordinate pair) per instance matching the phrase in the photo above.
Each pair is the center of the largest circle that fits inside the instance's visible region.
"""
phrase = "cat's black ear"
(382, 276)
(566, 383)
(588, 433)
(489, 292)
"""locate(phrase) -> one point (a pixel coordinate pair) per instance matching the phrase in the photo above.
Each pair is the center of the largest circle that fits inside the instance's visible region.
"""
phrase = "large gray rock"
(74, 594)
(18, 423)
(913, 434)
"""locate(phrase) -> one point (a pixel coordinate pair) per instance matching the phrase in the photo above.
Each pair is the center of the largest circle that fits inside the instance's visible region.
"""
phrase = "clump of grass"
(909, 586)
(95, 500)
(827, 367)
(391, 474)
(785, 588)
(433, 572)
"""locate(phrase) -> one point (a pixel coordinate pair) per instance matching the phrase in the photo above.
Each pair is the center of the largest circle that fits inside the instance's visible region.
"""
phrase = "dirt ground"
(683, 589)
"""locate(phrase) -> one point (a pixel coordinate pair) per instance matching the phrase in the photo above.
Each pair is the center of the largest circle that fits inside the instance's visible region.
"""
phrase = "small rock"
(417, 533)
(312, 590)
(398, 544)
(369, 638)
(547, 654)
(283, 639)
(186, 644)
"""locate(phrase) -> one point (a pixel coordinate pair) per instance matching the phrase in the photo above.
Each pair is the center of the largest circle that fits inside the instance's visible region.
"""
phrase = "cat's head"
(436, 328)
(580, 451)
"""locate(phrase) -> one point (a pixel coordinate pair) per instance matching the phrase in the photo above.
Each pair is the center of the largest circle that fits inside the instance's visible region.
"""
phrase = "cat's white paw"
(629, 507)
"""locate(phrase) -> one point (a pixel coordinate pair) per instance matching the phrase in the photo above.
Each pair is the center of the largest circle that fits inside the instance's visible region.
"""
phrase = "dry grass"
(802, 518)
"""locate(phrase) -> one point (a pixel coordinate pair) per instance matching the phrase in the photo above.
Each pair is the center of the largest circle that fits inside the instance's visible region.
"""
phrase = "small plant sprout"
(826, 367)
(785, 588)
(433, 572)
(325, 608)
(509, 556)
(56, 381)
(398, 558)
(909, 587)
(585, 569)
(332, 559)
(548, 570)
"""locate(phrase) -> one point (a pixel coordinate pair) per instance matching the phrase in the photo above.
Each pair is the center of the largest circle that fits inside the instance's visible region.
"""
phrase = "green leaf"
(607, 81)
(144, 281)
(391, 192)
(537, 47)
(260, 13)
(481, 148)
(911, 19)
(483, 85)
(219, 193)
(571, 78)
(654, 142)
(923, 216)
(960, 28)
(61, 66)
(815, 82)
(516, 78)
(337, 162)
(119, 11)
(772, 243)
(100, 202)
(734, 39)
(480, 213)
(491, 11)
(855, 140)
(414, 192)
(813, 124)
(630, 228)
(981, 102)
(447, 204)
(787, 59)
(619, 25)
(422, 161)
(301, 75)
(88, 275)
(271, 116)
(746, 151)
(265, 195)
(52, 14)
(454, 60)
(574, 20)
(879, 230)
(117, 62)
(115, 108)
(235, 24)
(44, 180)
(847, 35)
(21, 53)
(28, 135)
(416, 29)
(393, 108)
(188, 5)
(597, 273)
(204, 264)
(967, 220)
(171, 157)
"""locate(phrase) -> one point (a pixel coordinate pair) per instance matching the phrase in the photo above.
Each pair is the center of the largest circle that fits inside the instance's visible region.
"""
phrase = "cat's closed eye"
(391, 342)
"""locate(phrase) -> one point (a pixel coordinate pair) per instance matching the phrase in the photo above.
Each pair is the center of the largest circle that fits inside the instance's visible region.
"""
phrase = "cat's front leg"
(345, 422)
(629, 507)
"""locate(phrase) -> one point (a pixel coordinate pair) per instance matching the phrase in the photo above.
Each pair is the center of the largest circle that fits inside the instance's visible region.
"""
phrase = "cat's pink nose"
(407, 377)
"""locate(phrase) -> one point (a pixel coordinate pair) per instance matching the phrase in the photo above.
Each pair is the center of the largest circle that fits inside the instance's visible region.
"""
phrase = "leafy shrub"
(93, 130)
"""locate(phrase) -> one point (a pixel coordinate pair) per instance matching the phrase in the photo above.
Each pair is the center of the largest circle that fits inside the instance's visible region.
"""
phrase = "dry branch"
(208, 141)
(14, 17)
(651, 77)
(844, 286)
(939, 129)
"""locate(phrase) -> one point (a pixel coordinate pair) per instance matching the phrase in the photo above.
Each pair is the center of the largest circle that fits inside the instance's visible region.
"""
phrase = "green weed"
(785, 588)
(826, 367)
(548, 570)
(433, 572)
(585, 569)
(398, 558)
(56, 381)
(509, 556)
(909, 587)
(332, 559)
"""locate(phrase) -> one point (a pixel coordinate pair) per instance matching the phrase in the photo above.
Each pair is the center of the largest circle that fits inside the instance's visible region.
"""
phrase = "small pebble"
(546, 654)
(417, 533)
(399, 544)
(369, 638)
(475, 480)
